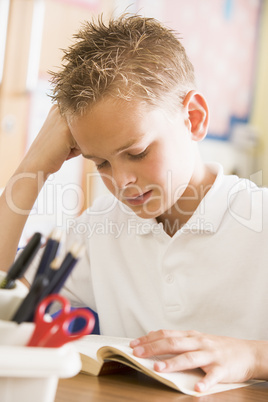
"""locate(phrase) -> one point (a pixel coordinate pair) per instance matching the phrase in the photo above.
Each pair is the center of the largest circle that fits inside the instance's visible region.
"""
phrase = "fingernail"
(160, 366)
(134, 343)
(139, 351)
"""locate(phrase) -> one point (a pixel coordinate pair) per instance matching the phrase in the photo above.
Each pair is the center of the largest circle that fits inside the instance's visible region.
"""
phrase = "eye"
(141, 155)
(101, 165)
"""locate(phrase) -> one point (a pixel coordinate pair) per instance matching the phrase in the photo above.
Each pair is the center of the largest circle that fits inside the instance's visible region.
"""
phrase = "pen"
(49, 253)
(26, 310)
(20, 265)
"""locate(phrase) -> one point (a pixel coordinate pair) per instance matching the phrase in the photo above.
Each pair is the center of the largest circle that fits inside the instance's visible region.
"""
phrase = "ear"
(197, 114)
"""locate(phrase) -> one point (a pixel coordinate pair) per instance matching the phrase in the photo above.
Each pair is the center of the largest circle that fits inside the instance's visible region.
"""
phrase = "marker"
(20, 265)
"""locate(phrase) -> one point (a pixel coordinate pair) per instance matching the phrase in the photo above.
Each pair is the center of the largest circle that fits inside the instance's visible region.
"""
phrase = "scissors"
(56, 333)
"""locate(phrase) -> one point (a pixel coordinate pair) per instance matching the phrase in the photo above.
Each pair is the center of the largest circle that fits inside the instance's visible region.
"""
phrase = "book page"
(89, 344)
(88, 347)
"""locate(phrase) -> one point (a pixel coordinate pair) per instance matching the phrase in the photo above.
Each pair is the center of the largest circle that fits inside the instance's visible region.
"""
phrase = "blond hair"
(131, 58)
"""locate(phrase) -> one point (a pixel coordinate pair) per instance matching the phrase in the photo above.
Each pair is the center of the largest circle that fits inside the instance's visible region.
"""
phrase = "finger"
(165, 346)
(161, 334)
(213, 377)
(152, 336)
(184, 361)
(73, 153)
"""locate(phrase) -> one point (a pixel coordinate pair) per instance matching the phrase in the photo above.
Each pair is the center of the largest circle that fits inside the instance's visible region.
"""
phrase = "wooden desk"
(134, 386)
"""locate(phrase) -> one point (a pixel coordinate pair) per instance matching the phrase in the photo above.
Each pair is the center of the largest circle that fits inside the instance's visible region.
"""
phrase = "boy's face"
(146, 157)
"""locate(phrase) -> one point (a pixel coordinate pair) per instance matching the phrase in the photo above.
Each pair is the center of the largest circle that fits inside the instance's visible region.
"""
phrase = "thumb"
(212, 377)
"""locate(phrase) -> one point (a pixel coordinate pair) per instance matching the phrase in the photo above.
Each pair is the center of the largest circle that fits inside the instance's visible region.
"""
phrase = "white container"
(30, 374)
(10, 299)
(13, 334)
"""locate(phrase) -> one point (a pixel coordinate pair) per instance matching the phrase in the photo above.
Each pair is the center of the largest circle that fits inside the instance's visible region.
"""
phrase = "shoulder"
(248, 204)
(244, 190)
(233, 200)
(234, 188)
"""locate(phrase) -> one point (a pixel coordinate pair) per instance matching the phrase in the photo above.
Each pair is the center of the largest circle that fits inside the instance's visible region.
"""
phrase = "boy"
(174, 252)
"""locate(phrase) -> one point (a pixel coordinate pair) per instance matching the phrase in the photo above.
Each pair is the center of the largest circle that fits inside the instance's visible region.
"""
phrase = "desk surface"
(134, 386)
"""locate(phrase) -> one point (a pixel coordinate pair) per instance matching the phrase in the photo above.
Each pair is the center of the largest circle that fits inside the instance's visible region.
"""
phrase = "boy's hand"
(223, 359)
(53, 145)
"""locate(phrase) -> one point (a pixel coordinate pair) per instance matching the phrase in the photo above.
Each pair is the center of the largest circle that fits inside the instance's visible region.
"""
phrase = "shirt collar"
(211, 210)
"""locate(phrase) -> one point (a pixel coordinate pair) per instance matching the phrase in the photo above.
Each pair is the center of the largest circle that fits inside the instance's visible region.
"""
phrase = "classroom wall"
(243, 159)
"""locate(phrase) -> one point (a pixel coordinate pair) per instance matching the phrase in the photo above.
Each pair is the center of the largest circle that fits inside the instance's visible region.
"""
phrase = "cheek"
(165, 163)
(156, 171)
(176, 166)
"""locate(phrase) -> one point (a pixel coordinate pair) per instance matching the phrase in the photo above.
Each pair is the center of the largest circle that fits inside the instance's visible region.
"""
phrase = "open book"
(106, 355)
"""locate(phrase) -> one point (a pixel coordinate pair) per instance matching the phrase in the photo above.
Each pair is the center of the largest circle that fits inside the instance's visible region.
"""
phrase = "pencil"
(49, 253)
(53, 268)
(66, 267)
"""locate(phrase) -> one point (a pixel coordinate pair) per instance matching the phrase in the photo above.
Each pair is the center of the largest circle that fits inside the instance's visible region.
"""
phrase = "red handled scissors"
(56, 333)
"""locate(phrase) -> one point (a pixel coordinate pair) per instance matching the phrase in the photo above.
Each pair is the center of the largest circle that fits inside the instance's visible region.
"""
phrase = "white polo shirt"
(211, 276)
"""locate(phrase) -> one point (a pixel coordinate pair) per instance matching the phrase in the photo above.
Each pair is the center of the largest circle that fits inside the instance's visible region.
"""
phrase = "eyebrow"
(117, 151)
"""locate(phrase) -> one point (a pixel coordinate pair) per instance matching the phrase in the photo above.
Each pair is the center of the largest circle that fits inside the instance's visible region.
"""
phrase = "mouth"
(139, 199)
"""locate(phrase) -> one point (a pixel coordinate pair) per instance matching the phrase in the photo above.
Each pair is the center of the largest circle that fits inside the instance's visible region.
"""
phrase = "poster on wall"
(220, 38)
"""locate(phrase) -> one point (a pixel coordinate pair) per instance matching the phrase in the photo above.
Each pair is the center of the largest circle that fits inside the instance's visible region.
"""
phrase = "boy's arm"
(222, 359)
(53, 145)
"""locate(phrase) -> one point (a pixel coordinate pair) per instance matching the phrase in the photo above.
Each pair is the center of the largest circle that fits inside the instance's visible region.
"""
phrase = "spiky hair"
(131, 58)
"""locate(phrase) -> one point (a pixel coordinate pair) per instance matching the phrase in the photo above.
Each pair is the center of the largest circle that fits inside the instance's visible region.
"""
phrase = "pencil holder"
(31, 374)
(10, 299)
(13, 334)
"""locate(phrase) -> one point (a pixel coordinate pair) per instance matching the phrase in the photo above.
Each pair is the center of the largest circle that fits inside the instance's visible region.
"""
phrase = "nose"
(122, 176)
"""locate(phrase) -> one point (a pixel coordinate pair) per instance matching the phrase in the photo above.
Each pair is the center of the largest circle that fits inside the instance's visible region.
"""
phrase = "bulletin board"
(220, 38)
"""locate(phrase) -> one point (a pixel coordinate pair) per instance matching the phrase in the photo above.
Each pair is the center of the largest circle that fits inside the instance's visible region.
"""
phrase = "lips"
(139, 199)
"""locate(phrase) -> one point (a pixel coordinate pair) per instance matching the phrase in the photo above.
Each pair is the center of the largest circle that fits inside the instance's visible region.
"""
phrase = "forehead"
(120, 113)
(110, 109)
(114, 123)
